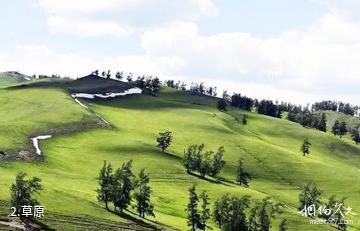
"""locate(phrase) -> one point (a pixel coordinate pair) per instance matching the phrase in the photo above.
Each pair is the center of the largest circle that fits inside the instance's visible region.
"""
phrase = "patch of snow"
(26, 78)
(102, 119)
(130, 91)
(81, 104)
(35, 141)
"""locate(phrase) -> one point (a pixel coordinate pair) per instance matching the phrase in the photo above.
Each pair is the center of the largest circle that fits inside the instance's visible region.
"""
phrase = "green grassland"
(269, 146)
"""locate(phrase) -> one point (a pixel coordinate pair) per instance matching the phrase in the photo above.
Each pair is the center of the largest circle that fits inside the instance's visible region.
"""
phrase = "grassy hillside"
(269, 146)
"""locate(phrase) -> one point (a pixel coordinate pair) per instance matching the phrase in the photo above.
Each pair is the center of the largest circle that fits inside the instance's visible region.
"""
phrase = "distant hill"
(95, 84)
(92, 84)
(10, 78)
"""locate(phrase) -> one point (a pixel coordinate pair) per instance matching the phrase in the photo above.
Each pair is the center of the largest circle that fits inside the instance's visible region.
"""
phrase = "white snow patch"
(35, 141)
(130, 91)
(81, 104)
(26, 78)
(102, 119)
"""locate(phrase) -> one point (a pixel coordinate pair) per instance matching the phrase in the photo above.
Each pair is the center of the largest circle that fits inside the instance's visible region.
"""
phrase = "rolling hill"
(10, 78)
(80, 144)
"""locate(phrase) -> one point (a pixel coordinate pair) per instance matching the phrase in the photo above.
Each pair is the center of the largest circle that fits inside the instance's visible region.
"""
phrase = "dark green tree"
(22, 192)
(336, 128)
(142, 195)
(205, 211)
(105, 180)
(305, 147)
(164, 140)
(355, 136)
(242, 176)
(244, 120)
(193, 216)
(282, 225)
(205, 162)
(310, 195)
(262, 214)
(322, 123)
(222, 105)
(230, 213)
(342, 129)
(123, 184)
(218, 162)
(191, 160)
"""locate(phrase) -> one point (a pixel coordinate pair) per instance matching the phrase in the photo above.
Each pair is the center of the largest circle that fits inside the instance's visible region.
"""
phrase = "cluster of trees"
(345, 108)
(201, 89)
(230, 214)
(196, 158)
(243, 102)
(267, 107)
(121, 186)
(307, 118)
(148, 84)
(178, 85)
(339, 129)
(311, 196)
(197, 219)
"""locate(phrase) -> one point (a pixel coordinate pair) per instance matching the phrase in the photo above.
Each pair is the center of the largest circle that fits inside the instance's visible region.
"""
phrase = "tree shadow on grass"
(131, 216)
(214, 181)
(139, 149)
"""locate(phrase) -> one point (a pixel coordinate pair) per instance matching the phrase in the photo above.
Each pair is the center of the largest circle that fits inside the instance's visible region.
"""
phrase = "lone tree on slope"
(355, 136)
(164, 140)
(336, 128)
(305, 147)
(22, 192)
(242, 176)
(222, 105)
(244, 120)
(342, 129)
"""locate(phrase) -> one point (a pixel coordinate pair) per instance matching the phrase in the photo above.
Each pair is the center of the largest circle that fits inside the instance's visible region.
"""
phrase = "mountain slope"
(269, 147)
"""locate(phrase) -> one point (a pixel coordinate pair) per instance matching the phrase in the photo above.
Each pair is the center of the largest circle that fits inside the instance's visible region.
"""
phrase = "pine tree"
(218, 162)
(336, 128)
(142, 195)
(342, 129)
(105, 180)
(164, 140)
(322, 123)
(305, 147)
(193, 216)
(122, 186)
(205, 211)
(244, 120)
(355, 136)
(242, 176)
